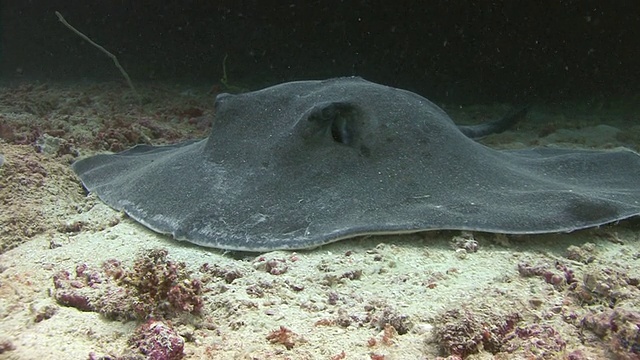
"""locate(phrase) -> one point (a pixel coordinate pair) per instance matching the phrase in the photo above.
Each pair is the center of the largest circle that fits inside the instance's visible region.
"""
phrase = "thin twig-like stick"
(113, 57)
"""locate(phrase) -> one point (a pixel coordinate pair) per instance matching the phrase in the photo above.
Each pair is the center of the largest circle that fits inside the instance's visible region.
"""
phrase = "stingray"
(306, 163)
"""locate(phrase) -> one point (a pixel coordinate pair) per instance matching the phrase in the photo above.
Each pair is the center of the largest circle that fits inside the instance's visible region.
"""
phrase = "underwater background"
(444, 50)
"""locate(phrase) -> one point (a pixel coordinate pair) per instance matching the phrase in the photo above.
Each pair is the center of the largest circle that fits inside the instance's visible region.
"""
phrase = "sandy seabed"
(75, 280)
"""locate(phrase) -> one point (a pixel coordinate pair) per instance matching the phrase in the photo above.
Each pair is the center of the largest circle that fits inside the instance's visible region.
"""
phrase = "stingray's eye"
(340, 119)
(342, 128)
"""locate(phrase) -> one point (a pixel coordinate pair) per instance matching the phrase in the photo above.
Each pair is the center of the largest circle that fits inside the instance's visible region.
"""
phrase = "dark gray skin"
(341, 116)
(495, 127)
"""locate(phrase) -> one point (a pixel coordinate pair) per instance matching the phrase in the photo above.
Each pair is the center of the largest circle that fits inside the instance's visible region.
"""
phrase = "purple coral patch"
(158, 341)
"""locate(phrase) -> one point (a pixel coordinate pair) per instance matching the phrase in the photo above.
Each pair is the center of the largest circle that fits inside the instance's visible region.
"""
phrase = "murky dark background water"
(448, 51)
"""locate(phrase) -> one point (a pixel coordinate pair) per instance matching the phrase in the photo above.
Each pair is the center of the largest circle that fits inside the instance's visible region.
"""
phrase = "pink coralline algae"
(155, 287)
(620, 328)
(75, 291)
(158, 341)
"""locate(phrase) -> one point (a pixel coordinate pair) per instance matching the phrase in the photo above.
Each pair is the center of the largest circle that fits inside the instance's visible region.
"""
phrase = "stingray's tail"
(495, 127)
